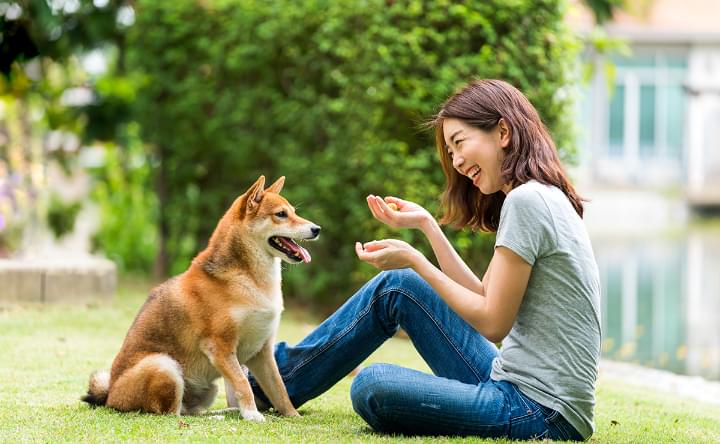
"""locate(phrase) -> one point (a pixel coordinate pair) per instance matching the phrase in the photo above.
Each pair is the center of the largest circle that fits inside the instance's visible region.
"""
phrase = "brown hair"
(530, 154)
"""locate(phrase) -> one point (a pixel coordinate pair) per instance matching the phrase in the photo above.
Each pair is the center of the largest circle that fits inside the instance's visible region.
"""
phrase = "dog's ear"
(277, 186)
(255, 194)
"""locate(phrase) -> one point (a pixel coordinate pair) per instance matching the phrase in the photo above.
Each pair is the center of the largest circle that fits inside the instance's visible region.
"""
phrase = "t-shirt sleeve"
(526, 225)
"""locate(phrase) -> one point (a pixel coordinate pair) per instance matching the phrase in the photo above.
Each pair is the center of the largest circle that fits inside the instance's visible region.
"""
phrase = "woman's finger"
(360, 251)
(396, 200)
(371, 205)
(388, 213)
(370, 247)
(376, 210)
(365, 255)
(381, 203)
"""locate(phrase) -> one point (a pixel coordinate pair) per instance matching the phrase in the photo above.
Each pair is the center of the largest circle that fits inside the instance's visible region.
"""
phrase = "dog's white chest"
(255, 327)
(258, 320)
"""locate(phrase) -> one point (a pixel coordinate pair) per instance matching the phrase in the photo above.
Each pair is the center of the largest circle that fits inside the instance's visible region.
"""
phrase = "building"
(655, 121)
(650, 159)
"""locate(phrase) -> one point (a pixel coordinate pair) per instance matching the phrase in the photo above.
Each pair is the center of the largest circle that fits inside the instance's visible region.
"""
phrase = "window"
(647, 107)
(675, 119)
(617, 121)
(647, 120)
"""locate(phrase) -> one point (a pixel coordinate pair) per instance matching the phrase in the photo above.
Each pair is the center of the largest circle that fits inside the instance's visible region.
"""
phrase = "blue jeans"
(459, 399)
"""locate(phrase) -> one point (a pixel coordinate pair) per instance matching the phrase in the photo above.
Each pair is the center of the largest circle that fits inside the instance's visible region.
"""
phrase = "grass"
(47, 353)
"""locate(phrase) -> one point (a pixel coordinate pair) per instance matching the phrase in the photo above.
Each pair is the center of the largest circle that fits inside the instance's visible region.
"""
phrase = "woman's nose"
(458, 161)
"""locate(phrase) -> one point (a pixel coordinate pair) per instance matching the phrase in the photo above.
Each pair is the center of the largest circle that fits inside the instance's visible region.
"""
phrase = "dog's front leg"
(223, 357)
(265, 370)
(230, 394)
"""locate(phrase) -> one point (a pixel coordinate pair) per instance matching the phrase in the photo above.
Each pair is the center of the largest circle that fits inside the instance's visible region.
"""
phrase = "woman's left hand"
(388, 254)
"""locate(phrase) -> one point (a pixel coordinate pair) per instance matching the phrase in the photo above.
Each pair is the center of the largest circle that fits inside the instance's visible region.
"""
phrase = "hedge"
(332, 95)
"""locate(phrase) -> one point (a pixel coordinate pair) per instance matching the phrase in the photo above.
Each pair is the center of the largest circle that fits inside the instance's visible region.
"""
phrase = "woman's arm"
(493, 314)
(450, 261)
(412, 215)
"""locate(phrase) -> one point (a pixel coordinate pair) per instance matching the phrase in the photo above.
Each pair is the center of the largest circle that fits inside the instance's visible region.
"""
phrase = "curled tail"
(98, 388)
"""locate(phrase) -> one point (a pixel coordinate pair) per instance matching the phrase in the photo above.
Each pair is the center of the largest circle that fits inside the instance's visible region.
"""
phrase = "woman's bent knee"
(403, 278)
(366, 383)
(369, 389)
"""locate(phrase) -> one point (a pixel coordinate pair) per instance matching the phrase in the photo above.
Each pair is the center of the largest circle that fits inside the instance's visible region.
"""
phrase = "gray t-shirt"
(553, 349)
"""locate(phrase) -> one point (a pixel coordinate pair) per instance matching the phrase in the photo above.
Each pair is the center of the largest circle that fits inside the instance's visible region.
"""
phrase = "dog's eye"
(281, 214)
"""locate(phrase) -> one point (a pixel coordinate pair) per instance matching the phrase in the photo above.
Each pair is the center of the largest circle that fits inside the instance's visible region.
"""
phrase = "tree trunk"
(161, 268)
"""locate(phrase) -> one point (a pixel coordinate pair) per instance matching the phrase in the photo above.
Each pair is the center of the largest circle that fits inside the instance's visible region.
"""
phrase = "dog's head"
(271, 222)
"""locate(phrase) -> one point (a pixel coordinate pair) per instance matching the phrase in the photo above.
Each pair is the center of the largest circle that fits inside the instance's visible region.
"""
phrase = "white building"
(655, 123)
(650, 156)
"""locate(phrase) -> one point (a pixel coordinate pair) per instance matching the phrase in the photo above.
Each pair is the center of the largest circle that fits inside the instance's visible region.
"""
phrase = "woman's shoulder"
(540, 198)
(536, 198)
(534, 191)
(530, 192)
(527, 201)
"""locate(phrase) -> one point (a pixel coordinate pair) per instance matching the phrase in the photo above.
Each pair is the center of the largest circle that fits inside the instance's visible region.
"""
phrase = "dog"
(222, 312)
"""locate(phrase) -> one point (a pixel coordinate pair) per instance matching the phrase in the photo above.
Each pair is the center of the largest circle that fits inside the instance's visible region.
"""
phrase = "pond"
(661, 300)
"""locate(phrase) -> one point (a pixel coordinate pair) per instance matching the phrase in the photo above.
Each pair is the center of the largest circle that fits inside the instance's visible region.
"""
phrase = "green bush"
(127, 204)
(330, 94)
(61, 215)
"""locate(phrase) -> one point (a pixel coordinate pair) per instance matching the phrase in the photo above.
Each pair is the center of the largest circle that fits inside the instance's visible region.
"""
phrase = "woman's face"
(478, 154)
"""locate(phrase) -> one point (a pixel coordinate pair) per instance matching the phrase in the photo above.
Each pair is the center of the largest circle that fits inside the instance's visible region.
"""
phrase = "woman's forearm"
(469, 305)
(450, 262)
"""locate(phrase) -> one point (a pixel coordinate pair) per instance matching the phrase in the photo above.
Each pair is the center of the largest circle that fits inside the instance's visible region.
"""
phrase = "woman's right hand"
(408, 214)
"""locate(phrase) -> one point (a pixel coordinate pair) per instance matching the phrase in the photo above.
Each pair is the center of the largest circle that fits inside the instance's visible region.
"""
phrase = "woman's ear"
(505, 133)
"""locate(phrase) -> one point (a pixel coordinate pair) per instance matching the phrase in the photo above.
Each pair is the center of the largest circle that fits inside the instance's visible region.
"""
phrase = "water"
(661, 301)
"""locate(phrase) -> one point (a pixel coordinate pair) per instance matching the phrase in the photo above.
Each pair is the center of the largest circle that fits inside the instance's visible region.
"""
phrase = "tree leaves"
(331, 95)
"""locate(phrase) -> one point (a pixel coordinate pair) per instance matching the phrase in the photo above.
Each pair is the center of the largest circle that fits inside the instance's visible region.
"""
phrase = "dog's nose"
(315, 231)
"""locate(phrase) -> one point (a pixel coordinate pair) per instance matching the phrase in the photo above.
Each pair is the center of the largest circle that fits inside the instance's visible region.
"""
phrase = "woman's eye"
(281, 214)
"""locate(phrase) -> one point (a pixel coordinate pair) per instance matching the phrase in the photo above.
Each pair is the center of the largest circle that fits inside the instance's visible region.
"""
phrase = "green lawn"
(48, 352)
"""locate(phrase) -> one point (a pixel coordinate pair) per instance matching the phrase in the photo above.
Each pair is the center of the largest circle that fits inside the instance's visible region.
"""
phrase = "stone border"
(694, 387)
(56, 281)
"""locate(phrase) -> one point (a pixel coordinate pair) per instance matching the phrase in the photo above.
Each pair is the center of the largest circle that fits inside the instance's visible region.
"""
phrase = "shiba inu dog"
(222, 312)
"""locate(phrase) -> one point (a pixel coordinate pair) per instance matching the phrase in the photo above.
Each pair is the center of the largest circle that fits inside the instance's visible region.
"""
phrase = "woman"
(539, 295)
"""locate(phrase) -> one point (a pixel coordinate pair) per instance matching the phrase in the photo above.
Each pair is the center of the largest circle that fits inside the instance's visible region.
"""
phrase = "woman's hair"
(530, 154)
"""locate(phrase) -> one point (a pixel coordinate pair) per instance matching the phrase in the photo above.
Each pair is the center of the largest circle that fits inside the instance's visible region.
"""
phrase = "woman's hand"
(388, 254)
(407, 215)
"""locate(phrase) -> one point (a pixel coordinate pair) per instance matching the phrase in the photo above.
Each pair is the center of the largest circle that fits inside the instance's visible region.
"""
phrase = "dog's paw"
(253, 415)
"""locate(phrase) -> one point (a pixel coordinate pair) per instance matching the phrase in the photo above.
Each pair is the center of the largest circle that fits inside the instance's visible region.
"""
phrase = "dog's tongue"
(297, 248)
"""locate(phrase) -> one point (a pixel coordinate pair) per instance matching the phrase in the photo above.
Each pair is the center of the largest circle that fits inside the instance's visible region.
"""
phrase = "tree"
(603, 10)
(330, 94)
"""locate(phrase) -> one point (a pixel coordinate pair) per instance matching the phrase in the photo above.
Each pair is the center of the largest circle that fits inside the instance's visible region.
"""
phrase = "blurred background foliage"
(196, 99)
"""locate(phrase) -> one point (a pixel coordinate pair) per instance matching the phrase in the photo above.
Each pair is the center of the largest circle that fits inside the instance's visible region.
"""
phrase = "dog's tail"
(98, 388)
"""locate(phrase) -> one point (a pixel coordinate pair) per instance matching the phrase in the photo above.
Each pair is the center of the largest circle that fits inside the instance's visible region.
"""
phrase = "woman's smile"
(474, 171)
(476, 178)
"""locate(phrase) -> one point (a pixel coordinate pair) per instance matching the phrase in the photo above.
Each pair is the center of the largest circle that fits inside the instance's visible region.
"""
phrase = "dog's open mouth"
(290, 248)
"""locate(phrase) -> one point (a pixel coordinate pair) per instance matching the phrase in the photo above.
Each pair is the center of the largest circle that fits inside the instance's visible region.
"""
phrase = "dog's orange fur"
(223, 311)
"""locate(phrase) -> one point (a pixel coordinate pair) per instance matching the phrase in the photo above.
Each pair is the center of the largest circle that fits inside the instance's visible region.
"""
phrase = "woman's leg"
(394, 399)
(399, 298)
(461, 399)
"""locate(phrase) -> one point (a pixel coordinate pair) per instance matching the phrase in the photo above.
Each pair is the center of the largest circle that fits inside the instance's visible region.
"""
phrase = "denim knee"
(397, 288)
(402, 278)
(406, 282)
(365, 384)
(368, 390)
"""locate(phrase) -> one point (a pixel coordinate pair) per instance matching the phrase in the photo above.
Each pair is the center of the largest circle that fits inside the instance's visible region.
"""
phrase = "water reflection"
(661, 301)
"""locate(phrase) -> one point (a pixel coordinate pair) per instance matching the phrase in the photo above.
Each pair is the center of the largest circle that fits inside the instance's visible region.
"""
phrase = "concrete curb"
(56, 281)
(694, 387)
